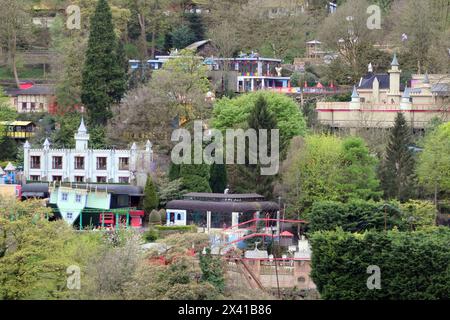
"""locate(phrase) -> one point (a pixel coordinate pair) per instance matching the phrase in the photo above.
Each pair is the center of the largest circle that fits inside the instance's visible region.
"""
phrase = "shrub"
(162, 214)
(151, 235)
(191, 228)
(165, 231)
(154, 218)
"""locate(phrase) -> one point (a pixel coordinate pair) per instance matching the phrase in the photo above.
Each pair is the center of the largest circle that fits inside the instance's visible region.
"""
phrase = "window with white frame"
(35, 162)
(79, 163)
(64, 196)
(78, 198)
(124, 180)
(123, 164)
(101, 163)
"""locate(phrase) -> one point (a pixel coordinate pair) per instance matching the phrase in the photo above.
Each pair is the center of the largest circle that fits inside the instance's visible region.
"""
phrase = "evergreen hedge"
(354, 216)
(413, 265)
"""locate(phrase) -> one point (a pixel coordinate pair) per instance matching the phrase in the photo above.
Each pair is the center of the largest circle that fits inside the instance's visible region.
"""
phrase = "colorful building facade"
(97, 206)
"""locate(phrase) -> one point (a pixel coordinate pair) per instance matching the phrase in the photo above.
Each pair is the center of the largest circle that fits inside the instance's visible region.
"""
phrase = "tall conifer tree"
(218, 179)
(104, 78)
(250, 178)
(397, 170)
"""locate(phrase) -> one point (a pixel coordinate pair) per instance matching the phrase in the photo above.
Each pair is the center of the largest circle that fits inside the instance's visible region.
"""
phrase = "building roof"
(197, 45)
(225, 203)
(34, 90)
(222, 196)
(82, 127)
(10, 167)
(16, 123)
(111, 188)
(367, 81)
(32, 190)
(247, 58)
(441, 89)
(222, 206)
(406, 93)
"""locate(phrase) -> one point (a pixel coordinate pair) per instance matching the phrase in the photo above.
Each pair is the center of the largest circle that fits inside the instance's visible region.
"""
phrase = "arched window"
(179, 216)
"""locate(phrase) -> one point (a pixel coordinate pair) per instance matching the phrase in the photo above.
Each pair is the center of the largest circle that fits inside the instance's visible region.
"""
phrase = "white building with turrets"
(86, 165)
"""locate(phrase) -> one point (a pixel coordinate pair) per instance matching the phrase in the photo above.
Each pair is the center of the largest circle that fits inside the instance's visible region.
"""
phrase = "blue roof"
(367, 81)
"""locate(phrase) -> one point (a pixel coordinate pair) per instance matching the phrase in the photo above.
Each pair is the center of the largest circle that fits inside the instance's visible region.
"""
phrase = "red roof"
(286, 234)
(26, 85)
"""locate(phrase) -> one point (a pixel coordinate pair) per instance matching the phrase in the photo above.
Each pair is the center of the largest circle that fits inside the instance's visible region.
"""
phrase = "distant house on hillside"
(33, 98)
(247, 73)
(277, 8)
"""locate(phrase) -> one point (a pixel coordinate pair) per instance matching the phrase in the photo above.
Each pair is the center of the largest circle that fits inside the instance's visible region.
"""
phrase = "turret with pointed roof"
(405, 103)
(355, 94)
(81, 137)
(394, 62)
(394, 79)
(356, 100)
(46, 144)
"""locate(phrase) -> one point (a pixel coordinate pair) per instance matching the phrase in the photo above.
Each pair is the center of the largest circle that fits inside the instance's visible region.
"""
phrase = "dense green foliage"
(212, 270)
(358, 179)
(234, 113)
(419, 214)
(354, 216)
(35, 253)
(322, 167)
(195, 177)
(413, 265)
(434, 162)
(218, 180)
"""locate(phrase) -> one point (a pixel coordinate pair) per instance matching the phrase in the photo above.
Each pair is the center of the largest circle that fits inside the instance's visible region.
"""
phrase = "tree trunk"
(153, 42)
(14, 61)
(143, 36)
(436, 195)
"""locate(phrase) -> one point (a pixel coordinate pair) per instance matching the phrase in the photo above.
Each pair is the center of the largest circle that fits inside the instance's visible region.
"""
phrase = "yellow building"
(19, 130)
